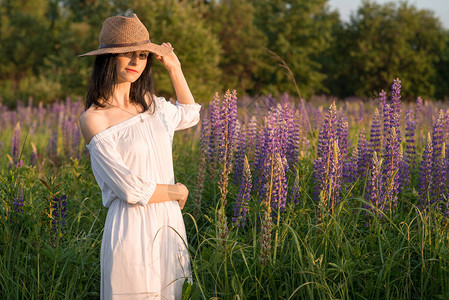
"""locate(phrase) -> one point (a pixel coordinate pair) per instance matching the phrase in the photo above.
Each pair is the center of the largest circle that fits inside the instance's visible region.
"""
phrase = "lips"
(131, 70)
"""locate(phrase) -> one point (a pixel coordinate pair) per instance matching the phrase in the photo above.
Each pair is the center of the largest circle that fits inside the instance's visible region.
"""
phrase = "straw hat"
(122, 34)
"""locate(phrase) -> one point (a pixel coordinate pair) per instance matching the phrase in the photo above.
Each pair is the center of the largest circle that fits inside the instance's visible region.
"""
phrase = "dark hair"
(104, 77)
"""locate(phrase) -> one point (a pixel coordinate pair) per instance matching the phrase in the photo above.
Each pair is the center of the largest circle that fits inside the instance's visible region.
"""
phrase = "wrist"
(174, 69)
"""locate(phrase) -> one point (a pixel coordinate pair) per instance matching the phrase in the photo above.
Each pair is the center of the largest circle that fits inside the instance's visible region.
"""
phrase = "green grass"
(346, 255)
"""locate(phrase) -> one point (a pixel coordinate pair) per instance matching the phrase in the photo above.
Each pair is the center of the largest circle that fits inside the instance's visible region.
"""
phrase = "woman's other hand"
(184, 194)
(170, 61)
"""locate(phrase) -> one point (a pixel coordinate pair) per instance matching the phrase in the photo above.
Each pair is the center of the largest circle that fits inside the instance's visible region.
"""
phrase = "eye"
(143, 55)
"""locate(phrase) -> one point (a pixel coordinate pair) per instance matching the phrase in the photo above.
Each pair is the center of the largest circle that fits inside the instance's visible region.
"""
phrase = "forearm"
(167, 192)
(182, 90)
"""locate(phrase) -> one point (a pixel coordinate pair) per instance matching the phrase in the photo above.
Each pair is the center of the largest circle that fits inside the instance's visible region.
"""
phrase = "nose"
(134, 58)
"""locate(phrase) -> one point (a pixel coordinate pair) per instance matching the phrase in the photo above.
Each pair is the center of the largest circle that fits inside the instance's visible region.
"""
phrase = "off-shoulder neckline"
(134, 119)
(114, 128)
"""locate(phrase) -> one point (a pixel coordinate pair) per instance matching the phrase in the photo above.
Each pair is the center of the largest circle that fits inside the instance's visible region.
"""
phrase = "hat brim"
(153, 48)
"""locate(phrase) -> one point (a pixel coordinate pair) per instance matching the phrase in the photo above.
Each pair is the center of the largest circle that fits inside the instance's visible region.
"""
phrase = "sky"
(440, 7)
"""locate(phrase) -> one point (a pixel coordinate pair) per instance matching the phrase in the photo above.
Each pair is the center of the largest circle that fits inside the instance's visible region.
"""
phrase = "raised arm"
(173, 66)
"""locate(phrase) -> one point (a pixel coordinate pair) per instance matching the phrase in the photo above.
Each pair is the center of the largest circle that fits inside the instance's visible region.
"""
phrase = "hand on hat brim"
(169, 61)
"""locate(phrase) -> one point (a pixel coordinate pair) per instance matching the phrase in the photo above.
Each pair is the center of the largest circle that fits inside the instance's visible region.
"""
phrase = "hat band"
(124, 45)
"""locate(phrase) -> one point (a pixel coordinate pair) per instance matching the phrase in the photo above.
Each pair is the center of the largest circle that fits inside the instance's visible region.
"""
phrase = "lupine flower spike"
(243, 196)
(59, 214)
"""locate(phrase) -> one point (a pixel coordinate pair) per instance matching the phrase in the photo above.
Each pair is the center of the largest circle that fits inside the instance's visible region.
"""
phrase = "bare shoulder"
(92, 121)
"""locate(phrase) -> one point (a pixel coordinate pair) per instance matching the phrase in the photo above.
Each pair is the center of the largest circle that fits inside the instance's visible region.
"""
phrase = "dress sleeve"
(115, 179)
(179, 116)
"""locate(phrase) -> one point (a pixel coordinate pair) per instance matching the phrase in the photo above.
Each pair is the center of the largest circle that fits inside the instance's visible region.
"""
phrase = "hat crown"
(122, 30)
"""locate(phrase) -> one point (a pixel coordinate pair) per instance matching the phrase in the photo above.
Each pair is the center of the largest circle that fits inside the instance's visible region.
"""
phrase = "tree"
(299, 31)
(383, 42)
(242, 43)
(25, 41)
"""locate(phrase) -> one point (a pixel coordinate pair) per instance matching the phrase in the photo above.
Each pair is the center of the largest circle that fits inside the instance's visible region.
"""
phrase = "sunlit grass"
(350, 254)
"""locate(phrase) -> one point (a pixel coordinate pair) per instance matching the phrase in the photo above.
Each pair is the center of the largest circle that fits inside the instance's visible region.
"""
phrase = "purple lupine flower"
(327, 166)
(265, 235)
(265, 238)
(419, 121)
(404, 171)
(298, 134)
(260, 154)
(15, 144)
(243, 196)
(291, 133)
(408, 163)
(335, 175)
(375, 193)
(250, 135)
(342, 137)
(76, 140)
(396, 106)
(226, 136)
(271, 176)
(266, 155)
(225, 131)
(437, 146)
(444, 176)
(363, 155)
(59, 215)
(419, 106)
(33, 127)
(240, 153)
(390, 170)
(222, 223)
(41, 114)
(19, 164)
(388, 120)
(375, 133)
(327, 132)
(67, 130)
(445, 127)
(16, 206)
(279, 188)
(410, 150)
(425, 175)
(52, 147)
(353, 172)
(382, 99)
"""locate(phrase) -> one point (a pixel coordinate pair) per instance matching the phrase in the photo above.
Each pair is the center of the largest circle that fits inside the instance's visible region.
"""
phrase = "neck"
(120, 96)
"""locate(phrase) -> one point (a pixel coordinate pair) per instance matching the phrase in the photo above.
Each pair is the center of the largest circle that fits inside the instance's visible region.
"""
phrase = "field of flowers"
(289, 199)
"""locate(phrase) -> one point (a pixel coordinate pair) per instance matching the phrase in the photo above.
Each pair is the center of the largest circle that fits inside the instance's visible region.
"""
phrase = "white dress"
(144, 247)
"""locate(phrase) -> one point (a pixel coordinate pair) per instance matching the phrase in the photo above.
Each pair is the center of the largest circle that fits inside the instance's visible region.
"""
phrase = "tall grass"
(354, 252)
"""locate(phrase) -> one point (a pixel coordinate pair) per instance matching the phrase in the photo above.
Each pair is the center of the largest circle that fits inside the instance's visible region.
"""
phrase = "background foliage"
(222, 44)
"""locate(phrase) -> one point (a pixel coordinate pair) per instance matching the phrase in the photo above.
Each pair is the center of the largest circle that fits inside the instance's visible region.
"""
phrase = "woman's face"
(130, 65)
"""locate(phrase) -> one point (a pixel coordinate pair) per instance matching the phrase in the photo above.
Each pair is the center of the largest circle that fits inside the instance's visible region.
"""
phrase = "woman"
(129, 132)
